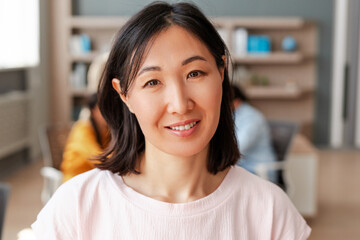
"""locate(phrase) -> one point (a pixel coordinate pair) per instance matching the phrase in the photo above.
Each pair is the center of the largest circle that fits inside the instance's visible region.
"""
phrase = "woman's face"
(176, 95)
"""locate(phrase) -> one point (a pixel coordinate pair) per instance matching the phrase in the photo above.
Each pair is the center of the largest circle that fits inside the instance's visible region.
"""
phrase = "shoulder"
(70, 207)
(81, 129)
(246, 111)
(253, 185)
(78, 191)
(77, 188)
(259, 191)
(86, 180)
(82, 125)
(263, 201)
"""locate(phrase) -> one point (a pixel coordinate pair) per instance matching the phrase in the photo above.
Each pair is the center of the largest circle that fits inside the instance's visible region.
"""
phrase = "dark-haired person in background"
(252, 134)
(87, 139)
(169, 172)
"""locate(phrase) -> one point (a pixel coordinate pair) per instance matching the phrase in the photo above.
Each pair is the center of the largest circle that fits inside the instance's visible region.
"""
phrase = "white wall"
(339, 58)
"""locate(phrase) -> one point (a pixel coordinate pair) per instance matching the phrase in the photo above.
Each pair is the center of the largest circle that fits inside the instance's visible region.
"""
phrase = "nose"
(179, 99)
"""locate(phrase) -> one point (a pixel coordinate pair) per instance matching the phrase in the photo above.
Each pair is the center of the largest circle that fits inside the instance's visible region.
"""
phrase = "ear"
(222, 68)
(116, 86)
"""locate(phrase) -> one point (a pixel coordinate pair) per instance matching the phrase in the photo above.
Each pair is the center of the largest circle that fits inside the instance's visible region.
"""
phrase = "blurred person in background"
(87, 139)
(253, 135)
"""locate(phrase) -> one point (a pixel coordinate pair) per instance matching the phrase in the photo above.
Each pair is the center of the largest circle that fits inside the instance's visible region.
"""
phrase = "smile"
(184, 127)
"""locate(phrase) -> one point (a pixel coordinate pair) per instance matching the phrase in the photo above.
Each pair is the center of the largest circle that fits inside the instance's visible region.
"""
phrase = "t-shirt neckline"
(158, 207)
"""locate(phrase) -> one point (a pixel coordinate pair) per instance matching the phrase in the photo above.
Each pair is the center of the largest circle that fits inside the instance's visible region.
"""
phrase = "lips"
(183, 129)
(185, 125)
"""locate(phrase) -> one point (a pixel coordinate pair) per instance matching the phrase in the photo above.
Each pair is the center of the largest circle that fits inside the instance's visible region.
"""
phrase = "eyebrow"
(191, 59)
(157, 68)
(150, 68)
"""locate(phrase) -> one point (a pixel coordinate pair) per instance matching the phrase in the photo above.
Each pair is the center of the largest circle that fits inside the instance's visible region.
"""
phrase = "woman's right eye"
(152, 83)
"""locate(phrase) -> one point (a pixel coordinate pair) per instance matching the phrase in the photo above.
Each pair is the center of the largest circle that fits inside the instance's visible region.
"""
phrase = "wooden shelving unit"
(276, 92)
(83, 22)
(276, 101)
(80, 93)
(86, 58)
(271, 58)
(271, 92)
(291, 76)
(260, 22)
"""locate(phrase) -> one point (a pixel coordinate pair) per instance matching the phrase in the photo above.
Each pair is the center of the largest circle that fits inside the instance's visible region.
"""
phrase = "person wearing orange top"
(87, 139)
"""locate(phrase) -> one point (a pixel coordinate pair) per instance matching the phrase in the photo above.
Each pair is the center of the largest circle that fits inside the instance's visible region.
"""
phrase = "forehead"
(174, 44)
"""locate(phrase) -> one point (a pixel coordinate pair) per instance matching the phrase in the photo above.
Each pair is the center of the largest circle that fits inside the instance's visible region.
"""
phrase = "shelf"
(232, 22)
(97, 22)
(81, 93)
(260, 23)
(271, 58)
(273, 92)
(86, 57)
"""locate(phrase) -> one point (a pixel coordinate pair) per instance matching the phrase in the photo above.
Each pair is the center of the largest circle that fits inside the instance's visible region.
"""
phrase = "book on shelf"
(78, 76)
(80, 44)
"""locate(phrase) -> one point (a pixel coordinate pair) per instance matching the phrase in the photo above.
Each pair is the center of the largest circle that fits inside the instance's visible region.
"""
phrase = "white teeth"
(184, 127)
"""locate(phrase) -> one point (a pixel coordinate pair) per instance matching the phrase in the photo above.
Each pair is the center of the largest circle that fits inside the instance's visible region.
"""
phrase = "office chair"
(282, 134)
(4, 196)
(52, 141)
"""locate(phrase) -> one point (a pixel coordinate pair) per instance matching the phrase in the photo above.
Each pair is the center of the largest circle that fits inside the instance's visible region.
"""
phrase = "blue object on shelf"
(289, 44)
(259, 44)
(85, 43)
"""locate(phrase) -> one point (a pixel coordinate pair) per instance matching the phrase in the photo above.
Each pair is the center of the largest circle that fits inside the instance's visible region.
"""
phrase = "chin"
(185, 151)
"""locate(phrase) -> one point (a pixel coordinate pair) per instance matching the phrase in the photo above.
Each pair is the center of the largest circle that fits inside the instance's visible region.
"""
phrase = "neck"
(186, 178)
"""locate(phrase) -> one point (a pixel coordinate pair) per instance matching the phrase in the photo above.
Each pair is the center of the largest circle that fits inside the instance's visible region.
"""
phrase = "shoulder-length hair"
(128, 141)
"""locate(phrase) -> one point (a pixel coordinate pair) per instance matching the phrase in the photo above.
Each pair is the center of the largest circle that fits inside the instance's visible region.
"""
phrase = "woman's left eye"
(194, 74)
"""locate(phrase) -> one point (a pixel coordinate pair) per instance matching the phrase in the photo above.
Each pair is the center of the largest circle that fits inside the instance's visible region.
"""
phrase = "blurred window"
(19, 31)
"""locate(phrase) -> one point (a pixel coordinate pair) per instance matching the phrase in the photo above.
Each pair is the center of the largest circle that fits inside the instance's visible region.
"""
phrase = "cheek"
(211, 95)
(146, 109)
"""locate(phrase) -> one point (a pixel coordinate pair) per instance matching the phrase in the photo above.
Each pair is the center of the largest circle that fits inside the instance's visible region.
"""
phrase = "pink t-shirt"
(98, 205)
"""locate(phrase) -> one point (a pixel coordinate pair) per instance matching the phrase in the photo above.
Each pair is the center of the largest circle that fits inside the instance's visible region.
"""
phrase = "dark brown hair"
(123, 63)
